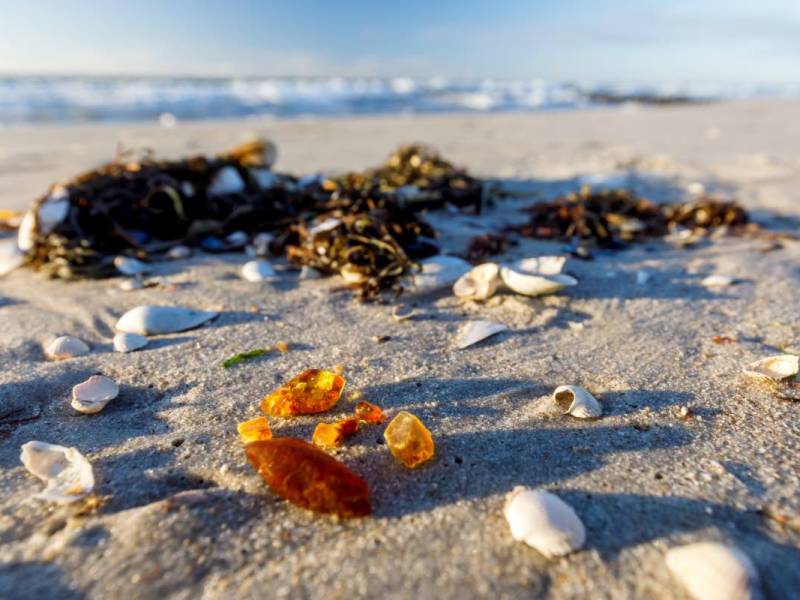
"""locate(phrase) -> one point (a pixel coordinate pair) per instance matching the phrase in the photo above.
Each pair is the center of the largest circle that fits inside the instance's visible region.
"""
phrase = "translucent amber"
(312, 391)
(409, 440)
(306, 476)
(254, 430)
(369, 413)
(331, 435)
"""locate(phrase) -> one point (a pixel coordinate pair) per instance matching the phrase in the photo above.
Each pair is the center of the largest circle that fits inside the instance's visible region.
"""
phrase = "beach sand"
(186, 517)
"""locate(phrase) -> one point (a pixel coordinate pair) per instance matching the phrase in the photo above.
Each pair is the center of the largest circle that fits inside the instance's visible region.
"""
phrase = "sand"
(186, 517)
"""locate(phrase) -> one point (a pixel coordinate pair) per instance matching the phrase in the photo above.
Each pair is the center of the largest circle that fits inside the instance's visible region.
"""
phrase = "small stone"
(313, 391)
(409, 440)
(254, 430)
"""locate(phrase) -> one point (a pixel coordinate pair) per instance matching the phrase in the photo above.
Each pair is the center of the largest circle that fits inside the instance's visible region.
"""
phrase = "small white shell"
(130, 266)
(530, 284)
(66, 471)
(155, 320)
(261, 243)
(307, 272)
(92, 395)
(65, 347)
(438, 272)
(476, 331)
(774, 368)
(51, 213)
(179, 252)
(714, 571)
(131, 285)
(479, 284)
(576, 401)
(544, 522)
(128, 342)
(257, 271)
(713, 281)
(226, 181)
(403, 312)
(540, 265)
(328, 224)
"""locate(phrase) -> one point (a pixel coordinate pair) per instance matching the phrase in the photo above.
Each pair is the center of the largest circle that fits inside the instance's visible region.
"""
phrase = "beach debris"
(724, 339)
(94, 394)
(312, 391)
(10, 220)
(132, 284)
(409, 440)
(131, 266)
(43, 217)
(308, 477)
(714, 571)
(530, 284)
(67, 473)
(404, 312)
(157, 320)
(244, 356)
(369, 413)
(718, 281)
(257, 271)
(254, 430)
(473, 332)
(282, 346)
(480, 283)
(129, 342)
(179, 252)
(774, 368)
(65, 347)
(540, 265)
(577, 402)
(438, 272)
(544, 522)
(332, 435)
(483, 246)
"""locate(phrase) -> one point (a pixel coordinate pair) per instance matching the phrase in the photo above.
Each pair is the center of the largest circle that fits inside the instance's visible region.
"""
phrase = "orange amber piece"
(369, 413)
(409, 440)
(312, 391)
(306, 476)
(254, 430)
(331, 435)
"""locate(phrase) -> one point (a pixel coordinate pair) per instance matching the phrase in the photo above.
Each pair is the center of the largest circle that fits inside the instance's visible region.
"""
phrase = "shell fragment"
(92, 395)
(544, 522)
(576, 401)
(257, 271)
(66, 471)
(156, 320)
(476, 331)
(714, 571)
(65, 347)
(479, 284)
(774, 368)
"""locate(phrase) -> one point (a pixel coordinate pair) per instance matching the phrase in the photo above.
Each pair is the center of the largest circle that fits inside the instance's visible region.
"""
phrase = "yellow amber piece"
(331, 435)
(254, 430)
(313, 391)
(409, 440)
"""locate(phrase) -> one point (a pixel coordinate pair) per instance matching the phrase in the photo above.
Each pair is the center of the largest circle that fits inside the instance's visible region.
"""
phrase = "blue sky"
(612, 40)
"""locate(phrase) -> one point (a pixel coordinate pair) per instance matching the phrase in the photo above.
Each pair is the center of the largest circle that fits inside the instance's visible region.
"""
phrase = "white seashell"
(438, 272)
(237, 238)
(307, 272)
(476, 331)
(226, 181)
(130, 266)
(265, 179)
(544, 522)
(402, 312)
(774, 368)
(642, 277)
(130, 285)
(65, 347)
(66, 471)
(257, 271)
(11, 257)
(327, 225)
(713, 281)
(714, 571)
(179, 252)
(51, 213)
(479, 284)
(576, 401)
(540, 265)
(155, 320)
(128, 342)
(261, 243)
(530, 284)
(92, 395)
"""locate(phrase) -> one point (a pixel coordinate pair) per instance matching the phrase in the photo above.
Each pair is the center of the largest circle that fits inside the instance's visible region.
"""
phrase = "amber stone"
(312, 391)
(306, 476)
(409, 440)
(369, 413)
(254, 430)
(331, 435)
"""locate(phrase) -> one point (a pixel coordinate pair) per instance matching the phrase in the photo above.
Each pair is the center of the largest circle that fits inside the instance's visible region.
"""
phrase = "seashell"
(179, 252)
(403, 312)
(774, 368)
(226, 181)
(352, 275)
(438, 272)
(11, 257)
(261, 243)
(530, 284)
(543, 521)
(713, 281)
(540, 265)
(129, 342)
(714, 571)
(576, 401)
(130, 266)
(66, 471)
(155, 320)
(257, 271)
(476, 331)
(479, 284)
(92, 395)
(328, 224)
(307, 272)
(265, 179)
(51, 213)
(65, 347)
(237, 238)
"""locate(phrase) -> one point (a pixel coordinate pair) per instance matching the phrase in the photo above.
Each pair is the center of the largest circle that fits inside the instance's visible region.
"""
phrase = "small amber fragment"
(312, 391)
(409, 440)
(331, 435)
(369, 413)
(282, 346)
(254, 430)
(306, 476)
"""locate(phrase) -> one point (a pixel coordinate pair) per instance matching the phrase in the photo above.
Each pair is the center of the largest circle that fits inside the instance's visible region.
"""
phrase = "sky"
(558, 40)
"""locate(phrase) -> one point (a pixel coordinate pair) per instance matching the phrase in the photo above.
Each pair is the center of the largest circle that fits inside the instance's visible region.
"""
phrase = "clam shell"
(226, 181)
(479, 284)
(576, 401)
(476, 331)
(65, 347)
(438, 272)
(92, 395)
(130, 266)
(544, 522)
(530, 284)
(155, 320)
(129, 342)
(774, 368)
(328, 224)
(713, 281)
(257, 271)
(540, 265)
(66, 471)
(51, 213)
(714, 571)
